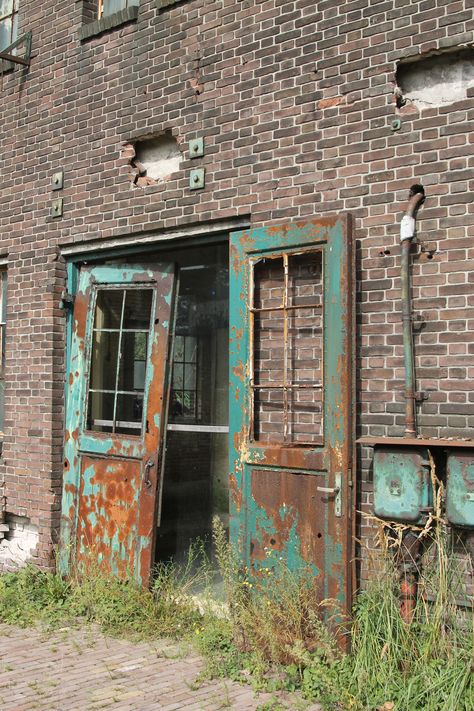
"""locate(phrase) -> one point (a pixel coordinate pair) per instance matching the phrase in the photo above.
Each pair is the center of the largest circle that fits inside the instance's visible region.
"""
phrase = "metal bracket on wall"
(57, 208)
(66, 301)
(7, 56)
(196, 148)
(197, 178)
(57, 182)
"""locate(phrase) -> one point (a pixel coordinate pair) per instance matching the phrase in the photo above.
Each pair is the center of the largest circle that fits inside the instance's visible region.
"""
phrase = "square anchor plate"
(57, 208)
(196, 148)
(57, 180)
(197, 178)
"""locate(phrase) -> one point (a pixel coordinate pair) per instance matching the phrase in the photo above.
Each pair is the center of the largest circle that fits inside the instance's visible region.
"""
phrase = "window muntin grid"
(184, 388)
(8, 22)
(286, 316)
(118, 360)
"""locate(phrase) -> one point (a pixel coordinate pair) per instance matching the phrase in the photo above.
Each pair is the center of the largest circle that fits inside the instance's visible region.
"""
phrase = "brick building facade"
(302, 118)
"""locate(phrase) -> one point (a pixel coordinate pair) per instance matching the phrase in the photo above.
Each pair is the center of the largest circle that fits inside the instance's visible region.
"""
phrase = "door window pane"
(137, 309)
(108, 310)
(118, 360)
(104, 359)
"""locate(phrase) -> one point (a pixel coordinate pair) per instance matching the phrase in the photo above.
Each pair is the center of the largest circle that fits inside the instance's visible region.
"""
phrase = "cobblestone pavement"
(82, 670)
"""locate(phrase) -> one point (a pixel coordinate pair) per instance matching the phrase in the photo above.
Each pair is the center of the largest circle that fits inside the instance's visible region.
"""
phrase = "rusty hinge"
(66, 301)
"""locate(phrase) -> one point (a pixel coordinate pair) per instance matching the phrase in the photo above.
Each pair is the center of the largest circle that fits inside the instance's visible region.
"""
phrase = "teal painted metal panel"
(402, 484)
(278, 509)
(111, 479)
(460, 488)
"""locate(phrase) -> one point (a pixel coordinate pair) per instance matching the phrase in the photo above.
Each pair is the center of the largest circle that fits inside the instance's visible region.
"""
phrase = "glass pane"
(133, 361)
(129, 412)
(269, 283)
(189, 376)
(305, 279)
(109, 308)
(104, 358)
(101, 412)
(6, 7)
(179, 349)
(111, 6)
(178, 373)
(189, 403)
(5, 33)
(190, 349)
(137, 312)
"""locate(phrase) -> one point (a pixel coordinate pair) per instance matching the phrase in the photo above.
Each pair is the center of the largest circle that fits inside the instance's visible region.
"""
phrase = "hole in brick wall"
(18, 541)
(435, 80)
(154, 160)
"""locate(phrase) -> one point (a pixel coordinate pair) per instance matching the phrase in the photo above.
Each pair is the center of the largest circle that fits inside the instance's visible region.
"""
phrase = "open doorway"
(195, 471)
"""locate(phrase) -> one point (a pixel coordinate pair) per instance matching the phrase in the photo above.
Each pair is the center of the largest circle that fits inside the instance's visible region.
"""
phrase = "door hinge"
(66, 301)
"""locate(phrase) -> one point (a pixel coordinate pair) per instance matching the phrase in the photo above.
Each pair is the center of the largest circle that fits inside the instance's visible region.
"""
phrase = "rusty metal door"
(115, 418)
(291, 360)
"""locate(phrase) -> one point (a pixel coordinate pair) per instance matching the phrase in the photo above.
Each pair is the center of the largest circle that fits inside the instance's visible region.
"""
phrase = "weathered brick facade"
(295, 101)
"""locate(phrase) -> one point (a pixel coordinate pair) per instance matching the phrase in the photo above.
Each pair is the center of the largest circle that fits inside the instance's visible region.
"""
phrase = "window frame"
(125, 4)
(14, 17)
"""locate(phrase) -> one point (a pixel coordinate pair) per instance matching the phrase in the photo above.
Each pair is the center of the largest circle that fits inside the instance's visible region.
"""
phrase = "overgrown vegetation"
(276, 633)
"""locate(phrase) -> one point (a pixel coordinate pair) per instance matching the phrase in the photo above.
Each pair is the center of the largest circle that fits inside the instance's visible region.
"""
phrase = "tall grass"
(277, 630)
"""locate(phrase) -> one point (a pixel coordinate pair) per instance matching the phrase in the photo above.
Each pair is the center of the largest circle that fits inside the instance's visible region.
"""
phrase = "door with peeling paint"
(291, 360)
(115, 416)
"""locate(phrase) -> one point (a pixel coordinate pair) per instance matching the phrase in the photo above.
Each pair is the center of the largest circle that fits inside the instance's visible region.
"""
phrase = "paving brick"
(82, 670)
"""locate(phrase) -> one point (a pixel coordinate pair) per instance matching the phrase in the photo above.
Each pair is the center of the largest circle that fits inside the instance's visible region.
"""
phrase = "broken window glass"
(287, 369)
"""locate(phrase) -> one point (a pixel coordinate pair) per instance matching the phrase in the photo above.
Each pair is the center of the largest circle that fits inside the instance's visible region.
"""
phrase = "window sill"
(110, 22)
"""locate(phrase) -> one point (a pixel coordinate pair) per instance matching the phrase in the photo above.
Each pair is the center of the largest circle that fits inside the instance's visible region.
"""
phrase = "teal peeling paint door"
(115, 418)
(291, 411)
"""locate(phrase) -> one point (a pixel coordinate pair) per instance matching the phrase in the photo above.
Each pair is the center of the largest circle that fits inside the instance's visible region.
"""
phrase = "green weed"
(276, 633)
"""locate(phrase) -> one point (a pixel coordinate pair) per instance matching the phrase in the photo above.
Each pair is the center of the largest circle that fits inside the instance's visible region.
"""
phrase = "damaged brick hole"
(18, 541)
(153, 160)
(435, 80)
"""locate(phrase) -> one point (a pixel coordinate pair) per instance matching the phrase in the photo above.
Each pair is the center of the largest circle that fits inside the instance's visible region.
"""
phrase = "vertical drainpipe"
(407, 232)
(410, 548)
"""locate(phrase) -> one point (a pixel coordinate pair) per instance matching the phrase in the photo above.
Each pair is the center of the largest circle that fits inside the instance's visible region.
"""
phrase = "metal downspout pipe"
(407, 232)
(410, 549)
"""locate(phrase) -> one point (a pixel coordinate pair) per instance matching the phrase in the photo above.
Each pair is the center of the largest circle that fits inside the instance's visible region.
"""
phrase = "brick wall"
(295, 101)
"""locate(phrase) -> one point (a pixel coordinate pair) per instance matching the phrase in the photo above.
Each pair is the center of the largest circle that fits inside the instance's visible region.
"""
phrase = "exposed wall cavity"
(436, 80)
(154, 160)
(18, 542)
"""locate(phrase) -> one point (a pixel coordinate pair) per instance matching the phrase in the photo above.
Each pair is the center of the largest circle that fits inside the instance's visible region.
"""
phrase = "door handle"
(336, 491)
(146, 473)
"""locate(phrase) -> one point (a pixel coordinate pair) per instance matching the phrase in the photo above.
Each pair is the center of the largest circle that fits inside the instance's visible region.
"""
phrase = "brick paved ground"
(84, 670)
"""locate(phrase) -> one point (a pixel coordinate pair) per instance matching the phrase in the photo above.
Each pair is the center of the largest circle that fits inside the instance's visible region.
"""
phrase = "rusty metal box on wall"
(402, 483)
(460, 488)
